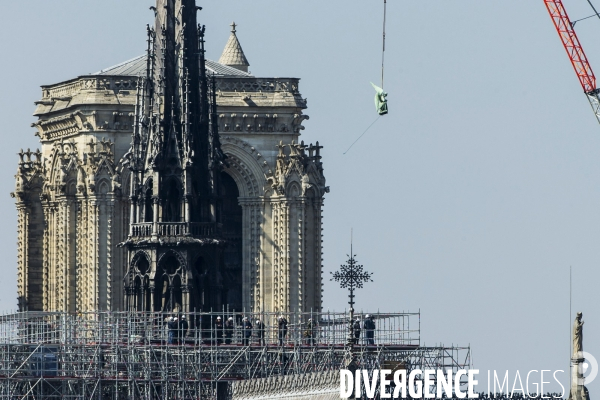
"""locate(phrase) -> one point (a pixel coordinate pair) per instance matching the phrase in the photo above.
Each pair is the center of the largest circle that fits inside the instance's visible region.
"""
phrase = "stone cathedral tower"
(171, 182)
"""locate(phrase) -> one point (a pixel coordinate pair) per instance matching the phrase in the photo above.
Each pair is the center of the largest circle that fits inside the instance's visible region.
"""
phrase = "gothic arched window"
(231, 216)
(143, 265)
(167, 281)
(137, 287)
(148, 203)
(172, 202)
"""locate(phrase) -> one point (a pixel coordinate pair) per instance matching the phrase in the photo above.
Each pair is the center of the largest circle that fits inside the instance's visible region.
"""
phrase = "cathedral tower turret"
(233, 55)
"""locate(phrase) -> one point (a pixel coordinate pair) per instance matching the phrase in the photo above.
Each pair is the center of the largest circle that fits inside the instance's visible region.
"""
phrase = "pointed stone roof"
(233, 55)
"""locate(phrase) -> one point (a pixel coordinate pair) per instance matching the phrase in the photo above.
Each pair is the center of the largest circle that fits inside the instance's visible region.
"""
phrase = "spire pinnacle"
(233, 55)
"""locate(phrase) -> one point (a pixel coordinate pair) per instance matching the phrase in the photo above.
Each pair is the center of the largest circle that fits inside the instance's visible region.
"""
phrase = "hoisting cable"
(380, 94)
(383, 51)
(591, 16)
(373, 123)
(593, 8)
(383, 94)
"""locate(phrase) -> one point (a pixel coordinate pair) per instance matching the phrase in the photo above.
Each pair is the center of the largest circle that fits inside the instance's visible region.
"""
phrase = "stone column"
(247, 299)
(155, 216)
(279, 283)
(185, 298)
(318, 254)
(256, 221)
(151, 288)
(132, 214)
(578, 389)
(63, 258)
(286, 256)
(79, 258)
(129, 302)
(96, 269)
(91, 261)
(23, 272)
(302, 257)
(46, 255)
(109, 252)
(251, 271)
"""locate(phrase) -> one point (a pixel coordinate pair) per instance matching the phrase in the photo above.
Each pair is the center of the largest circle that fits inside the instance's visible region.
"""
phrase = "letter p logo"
(589, 366)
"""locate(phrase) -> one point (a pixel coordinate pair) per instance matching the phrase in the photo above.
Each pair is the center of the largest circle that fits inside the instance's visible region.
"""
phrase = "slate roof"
(137, 67)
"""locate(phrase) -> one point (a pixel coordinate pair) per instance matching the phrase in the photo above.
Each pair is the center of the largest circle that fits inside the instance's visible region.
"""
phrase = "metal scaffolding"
(125, 355)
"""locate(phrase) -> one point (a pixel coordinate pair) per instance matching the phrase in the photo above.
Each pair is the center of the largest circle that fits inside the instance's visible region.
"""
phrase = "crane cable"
(593, 8)
(383, 50)
(382, 73)
(373, 123)
(591, 16)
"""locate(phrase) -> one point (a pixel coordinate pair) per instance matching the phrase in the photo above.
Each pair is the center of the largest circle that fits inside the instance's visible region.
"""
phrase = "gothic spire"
(176, 162)
(176, 135)
(174, 98)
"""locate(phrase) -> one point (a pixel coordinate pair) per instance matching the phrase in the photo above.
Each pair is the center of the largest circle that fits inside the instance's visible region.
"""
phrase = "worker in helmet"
(259, 327)
(183, 328)
(282, 325)
(246, 331)
(369, 326)
(229, 326)
(310, 332)
(356, 329)
(172, 326)
(219, 330)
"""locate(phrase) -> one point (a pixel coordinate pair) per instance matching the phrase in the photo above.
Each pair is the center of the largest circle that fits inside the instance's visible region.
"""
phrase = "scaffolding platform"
(139, 355)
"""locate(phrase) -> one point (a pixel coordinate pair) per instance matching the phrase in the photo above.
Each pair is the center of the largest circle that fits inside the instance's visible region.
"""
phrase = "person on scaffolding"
(369, 326)
(172, 327)
(282, 324)
(310, 332)
(246, 331)
(260, 332)
(219, 330)
(183, 328)
(356, 328)
(177, 321)
(229, 326)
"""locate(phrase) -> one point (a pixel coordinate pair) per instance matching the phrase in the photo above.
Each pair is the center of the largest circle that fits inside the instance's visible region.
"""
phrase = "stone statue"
(578, 390)
(380, 100)
(164, 294)
(577, 335)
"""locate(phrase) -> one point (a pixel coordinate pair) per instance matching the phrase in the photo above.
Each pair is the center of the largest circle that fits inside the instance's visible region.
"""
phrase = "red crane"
(569, 39)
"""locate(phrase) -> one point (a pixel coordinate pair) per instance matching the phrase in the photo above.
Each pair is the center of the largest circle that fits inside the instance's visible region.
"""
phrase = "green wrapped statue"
(380, 100)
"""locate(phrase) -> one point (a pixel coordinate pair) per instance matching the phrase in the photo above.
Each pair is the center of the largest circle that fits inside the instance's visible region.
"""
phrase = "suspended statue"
(380, 100)
(380, 95)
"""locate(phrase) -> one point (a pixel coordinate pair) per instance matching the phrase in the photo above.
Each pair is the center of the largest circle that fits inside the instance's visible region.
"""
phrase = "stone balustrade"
(174, 229)
(142, 230)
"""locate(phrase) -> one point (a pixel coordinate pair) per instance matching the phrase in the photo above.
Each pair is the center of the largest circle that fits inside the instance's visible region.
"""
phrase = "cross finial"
(351, 276)
(233, 25)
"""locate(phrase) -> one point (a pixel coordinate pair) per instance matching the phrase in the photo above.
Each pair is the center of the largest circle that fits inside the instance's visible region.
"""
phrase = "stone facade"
(310, 386)
(74, 203)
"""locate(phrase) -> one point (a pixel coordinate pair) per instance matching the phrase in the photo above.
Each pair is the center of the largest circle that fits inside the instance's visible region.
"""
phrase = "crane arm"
(577, 56)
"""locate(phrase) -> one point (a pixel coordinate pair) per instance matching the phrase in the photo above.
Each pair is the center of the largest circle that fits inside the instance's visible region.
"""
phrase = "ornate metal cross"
(351, 276)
